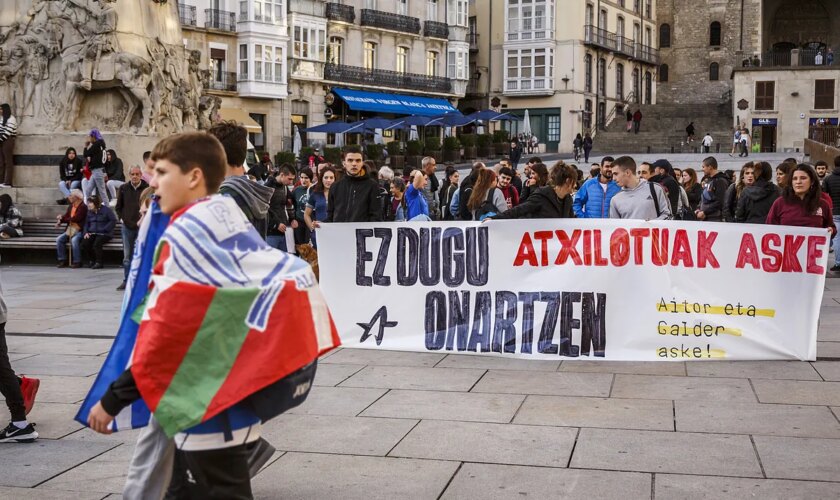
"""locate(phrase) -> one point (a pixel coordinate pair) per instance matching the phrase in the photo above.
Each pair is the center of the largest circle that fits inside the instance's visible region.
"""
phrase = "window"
(431, 63)
(664, 36)
(824, 94)
(602, 19)
(243, 62)
(647, 9)
(648, 38)
(310, 42)
(268, 63)
(217, 64)
(619, 81)
(432, 10)
(602, 76)
(553, 128)
(637, 6)
(587, 114)
(370, 55)
(258, 140)
(458, 12)
(402, 59)
(265, 11)
(529, 69)
(370, 4)
(602, 114)
(637, 85)
(663, 73)
(336, 55)
(587, 73)
(457, 64)
(590, 14)
(530, 19)
(648, 87)
(402, 7)
(714, 34)
(714, 72)
(764, 95)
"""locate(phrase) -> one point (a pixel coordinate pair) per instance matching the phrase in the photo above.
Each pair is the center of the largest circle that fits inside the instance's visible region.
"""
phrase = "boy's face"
(287, 179)
(504, 180)
(174, 188)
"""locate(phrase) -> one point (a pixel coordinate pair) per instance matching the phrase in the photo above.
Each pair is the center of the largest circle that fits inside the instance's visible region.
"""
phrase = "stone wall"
(817, 152)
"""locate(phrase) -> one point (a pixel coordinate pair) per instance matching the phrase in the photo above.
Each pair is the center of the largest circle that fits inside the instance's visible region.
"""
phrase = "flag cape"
(226, 316)
(119, 357)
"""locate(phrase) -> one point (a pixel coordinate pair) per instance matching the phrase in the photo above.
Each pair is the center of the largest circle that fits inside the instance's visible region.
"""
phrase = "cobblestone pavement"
(480, 427)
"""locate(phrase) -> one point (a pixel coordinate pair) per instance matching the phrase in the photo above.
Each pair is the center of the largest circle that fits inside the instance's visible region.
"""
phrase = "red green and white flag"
(226, 317)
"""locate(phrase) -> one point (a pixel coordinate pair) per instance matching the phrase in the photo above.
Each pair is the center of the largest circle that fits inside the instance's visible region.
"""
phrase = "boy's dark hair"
(594, 172)
(607, 159)
(195, 150)
(561, 173)
(791, 160)
(711, 162)
(625, 163)
(506, 171)
(535, 159)
(147, 155)
(353, 149)
(95, 200)
(820, 163)
(286, 169)
(307, 172)
(234, 139)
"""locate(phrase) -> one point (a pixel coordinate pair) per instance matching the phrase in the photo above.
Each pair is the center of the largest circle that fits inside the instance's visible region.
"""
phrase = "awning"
(241, 117)
(359, 100)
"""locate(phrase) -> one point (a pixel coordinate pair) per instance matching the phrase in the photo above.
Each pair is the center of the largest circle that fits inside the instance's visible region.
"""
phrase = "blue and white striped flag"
(119, 358)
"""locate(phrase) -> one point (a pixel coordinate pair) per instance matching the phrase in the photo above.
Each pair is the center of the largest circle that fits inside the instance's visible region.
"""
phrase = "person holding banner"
(638, 199)
(801, 203)
(355, 197)
(550, 202)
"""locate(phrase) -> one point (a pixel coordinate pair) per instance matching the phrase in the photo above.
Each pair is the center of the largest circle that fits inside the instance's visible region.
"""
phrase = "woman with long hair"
(538, 179)
(693, 189)
(783, 173)
(70, 172)
(447, 191)
(486, 198)
(548, 202)
(317, 203)
(114, 173)
(801, 203)
(755, 200)
(734, 191)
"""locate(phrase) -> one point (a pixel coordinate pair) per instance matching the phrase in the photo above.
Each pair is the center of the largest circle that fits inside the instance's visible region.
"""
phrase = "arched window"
(714, 72)
(663, 73)
(714, 34)
(619, 81)
(587, 73)
(664, 36)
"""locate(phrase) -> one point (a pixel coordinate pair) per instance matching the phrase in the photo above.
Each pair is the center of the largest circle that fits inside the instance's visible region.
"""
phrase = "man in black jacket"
(128, 211)
(711, 203)
(831, 185)
(281, 210)
(664, 176)
(356, 197)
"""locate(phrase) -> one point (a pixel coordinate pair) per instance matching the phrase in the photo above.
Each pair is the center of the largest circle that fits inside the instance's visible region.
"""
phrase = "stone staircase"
(36, 191)
(663, 129)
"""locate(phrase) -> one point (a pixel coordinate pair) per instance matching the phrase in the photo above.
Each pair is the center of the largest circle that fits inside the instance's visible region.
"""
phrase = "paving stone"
(730, 417)
(684, 487)
(28, 464)
(794, 370)
(60, 364)
(629, 367)
(552, 384)
(690, 388)
(799, 458)
(498, 482)
(828, 350)
(105, 329)
(23, 313)
(797, 392)
(672, 452)
(497, 363)
(612, 413)
(829, 370)
(31, 325)
(54, 420)
(434, 405)
(488, 443)
(316, 476)
(110, 317)
(408, 377)
(18, 356)
(828, 331)
(343, 435)
(54, 389)
(77, 346)
(121, 437)
(330, 374)
(40, 494)
(105, 473)
(381, 357)
(346, 401)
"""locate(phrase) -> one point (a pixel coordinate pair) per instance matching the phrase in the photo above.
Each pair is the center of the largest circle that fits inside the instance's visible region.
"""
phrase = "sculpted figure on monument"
(37, 70)
(103, 40)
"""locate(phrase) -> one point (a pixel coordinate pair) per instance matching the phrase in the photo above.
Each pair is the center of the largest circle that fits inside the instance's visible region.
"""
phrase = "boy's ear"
(196, 178)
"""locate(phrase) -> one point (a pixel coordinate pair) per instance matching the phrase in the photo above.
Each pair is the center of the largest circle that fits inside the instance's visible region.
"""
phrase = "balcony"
(221, 81)
(434, 29)
(472, 39)
(783, 58)
(220, 20)
(186, 14)
(342, 13)
(612, 42)
(314, 8)
(390, 21)
(342, 74)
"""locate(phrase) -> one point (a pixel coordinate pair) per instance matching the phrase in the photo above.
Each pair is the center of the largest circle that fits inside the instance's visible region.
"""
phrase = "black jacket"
(355, 199)
(128, 203)
(281, 208)
(543, 203)
(672, 189)
(730, 203)
(713, 197)
(446, 194)
(755, 202)
(831, 185)
(95, 154)
(71, 170)
(464, 192)
(694, 193)
(114, 168)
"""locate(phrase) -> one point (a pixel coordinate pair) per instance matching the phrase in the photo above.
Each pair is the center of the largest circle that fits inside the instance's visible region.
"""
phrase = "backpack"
(487, 208)
(684, 211)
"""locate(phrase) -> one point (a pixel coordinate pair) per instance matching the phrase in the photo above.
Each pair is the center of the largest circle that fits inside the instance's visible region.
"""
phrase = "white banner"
(590, 289)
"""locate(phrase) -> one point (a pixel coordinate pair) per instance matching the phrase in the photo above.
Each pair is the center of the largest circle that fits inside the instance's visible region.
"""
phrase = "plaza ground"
(424, 426)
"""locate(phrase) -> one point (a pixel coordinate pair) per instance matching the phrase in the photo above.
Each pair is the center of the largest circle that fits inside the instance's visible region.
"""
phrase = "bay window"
(529, 69)
(530, 19)
(458, 12)
(310, 42)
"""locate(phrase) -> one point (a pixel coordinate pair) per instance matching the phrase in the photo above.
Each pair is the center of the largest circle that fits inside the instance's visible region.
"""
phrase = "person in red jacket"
(75, 220)
(801, 203)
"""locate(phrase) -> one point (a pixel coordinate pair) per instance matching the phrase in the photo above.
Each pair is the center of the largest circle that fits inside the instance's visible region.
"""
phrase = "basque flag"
(119, 358)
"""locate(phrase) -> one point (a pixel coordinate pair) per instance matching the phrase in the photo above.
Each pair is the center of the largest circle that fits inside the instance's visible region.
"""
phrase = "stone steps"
(36, 176)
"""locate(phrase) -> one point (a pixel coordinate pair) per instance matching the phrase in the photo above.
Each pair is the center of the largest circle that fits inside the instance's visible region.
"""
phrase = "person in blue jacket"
(98, 230)
(593, 198)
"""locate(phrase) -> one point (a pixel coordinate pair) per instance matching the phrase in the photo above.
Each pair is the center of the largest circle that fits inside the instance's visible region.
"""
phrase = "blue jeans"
(277, 241)
(75, 242)
(65, 190)
(97, 182)
(129, 237)
(837, 241)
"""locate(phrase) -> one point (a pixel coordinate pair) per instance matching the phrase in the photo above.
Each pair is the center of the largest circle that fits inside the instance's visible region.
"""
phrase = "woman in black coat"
(550, 202)
(756, 200)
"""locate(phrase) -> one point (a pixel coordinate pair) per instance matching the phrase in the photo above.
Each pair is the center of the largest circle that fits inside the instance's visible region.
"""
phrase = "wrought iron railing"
(221, 81)
(615, 43)
(220, 20)
(186, 14)
(472, 39)
(390, 21)
(340, 12)
(434, 29)
(340, 73)
(825, 134)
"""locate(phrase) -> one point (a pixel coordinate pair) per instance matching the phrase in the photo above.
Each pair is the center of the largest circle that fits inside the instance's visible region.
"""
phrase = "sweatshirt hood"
(760, 190)
(256, 196)
(642, 185)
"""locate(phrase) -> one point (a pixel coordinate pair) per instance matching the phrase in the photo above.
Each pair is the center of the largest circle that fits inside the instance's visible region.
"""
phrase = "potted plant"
(500, 142)
(432, 148)
(468, 141)
(396, 155)
(414, 154)
(374, 152)
(284, 157)
(332, 155)
(451, 149)
(484, 143)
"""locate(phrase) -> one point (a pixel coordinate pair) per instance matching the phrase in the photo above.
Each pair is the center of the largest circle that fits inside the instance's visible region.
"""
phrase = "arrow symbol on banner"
(380, 317)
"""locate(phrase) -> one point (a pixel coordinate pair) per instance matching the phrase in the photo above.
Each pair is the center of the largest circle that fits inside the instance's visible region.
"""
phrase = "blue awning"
(378, 102)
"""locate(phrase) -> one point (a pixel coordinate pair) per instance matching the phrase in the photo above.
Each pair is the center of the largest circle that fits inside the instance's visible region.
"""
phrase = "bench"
(41, 235)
